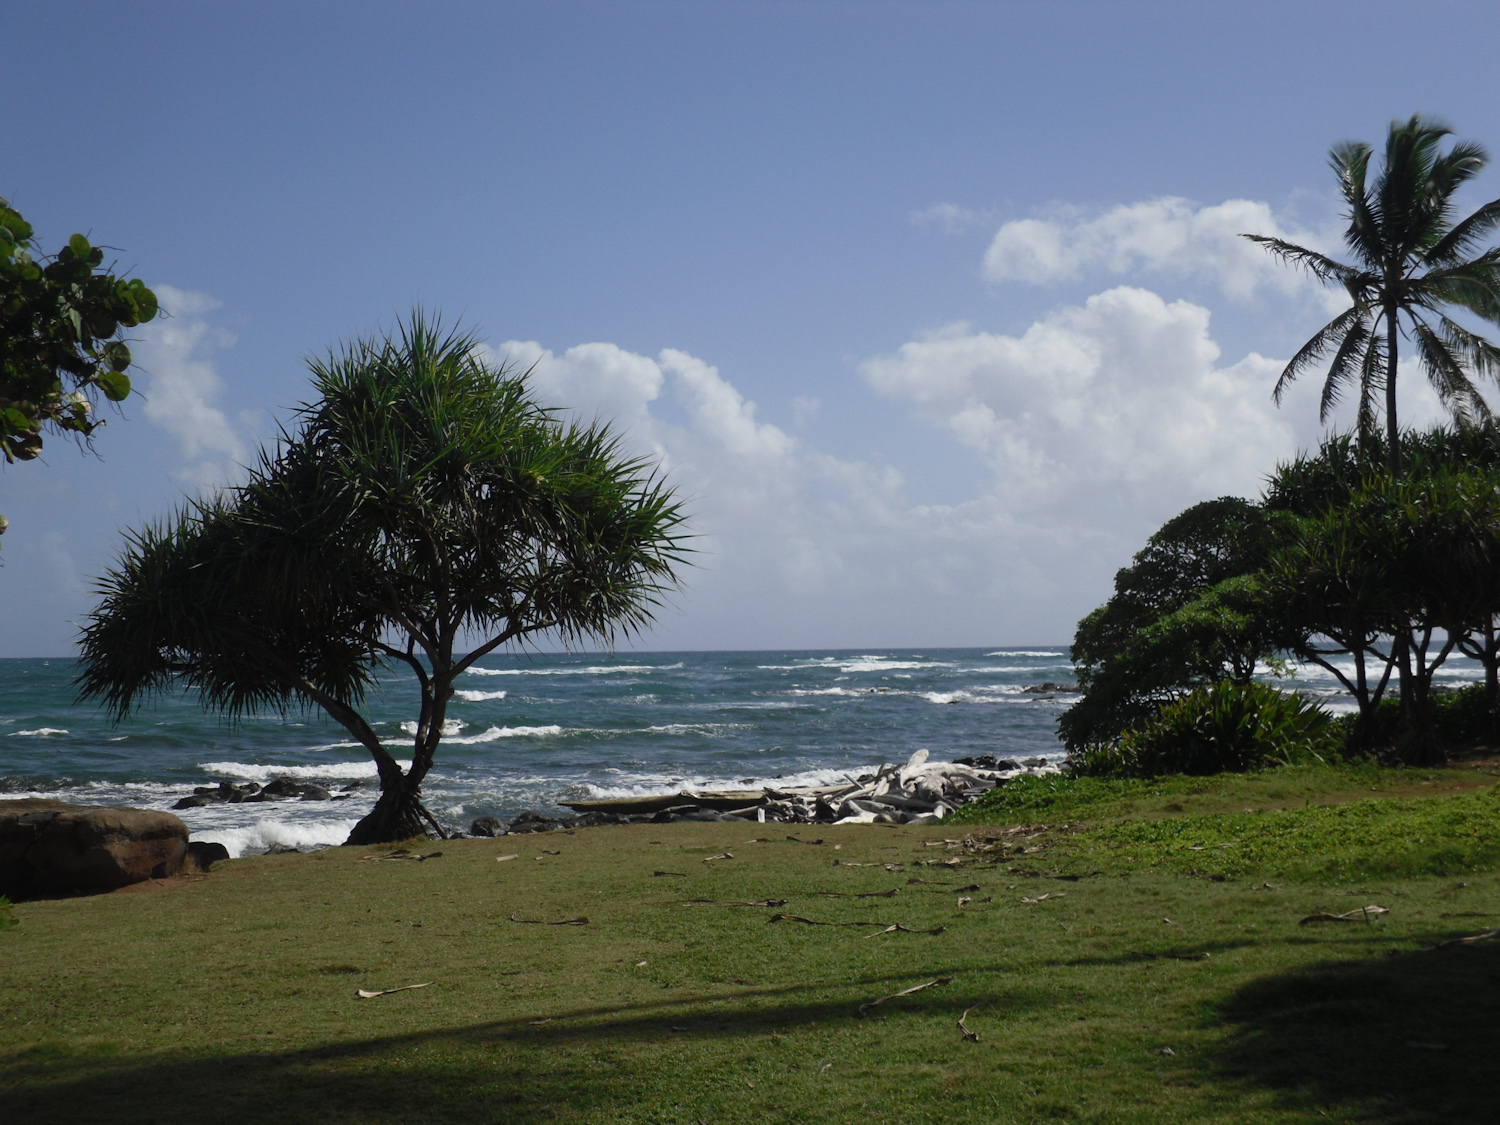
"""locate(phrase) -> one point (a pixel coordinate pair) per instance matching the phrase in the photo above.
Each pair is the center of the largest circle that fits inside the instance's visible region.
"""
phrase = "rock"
(50, 848)
(196, 801)
(1050, 688)
(988, 762)
(281, 849)
(534, 822)
(205, 853)
(487, 826)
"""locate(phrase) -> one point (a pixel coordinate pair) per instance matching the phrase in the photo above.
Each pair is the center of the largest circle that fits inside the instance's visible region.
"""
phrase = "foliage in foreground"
(1227, 727)
(424, 499)
(7, 914)
(62, 319)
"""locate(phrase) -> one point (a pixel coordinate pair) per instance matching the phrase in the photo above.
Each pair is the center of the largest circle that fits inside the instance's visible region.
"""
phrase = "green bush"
(1459, 718)
(7, 916)
(1226, 728)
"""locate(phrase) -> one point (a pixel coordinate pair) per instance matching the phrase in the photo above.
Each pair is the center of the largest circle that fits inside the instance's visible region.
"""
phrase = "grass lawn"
(1127, 951)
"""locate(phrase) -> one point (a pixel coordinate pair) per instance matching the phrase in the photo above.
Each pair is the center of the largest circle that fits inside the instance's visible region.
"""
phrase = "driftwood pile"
(918, 792)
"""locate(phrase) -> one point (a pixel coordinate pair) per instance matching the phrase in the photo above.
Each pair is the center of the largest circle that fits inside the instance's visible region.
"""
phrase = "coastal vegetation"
(63, 318)
(1374, 558)
(424, 510)
(1177, 949)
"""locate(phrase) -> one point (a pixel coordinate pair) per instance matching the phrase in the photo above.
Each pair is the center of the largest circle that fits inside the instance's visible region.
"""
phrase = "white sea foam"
(1023, 652)
(947, 697)
(592, 670)
(494, 734)
(261, 835)
(881, 664)
(826, 691)
(247, 771)
(478, 696)
(40, 732)
(450, 726)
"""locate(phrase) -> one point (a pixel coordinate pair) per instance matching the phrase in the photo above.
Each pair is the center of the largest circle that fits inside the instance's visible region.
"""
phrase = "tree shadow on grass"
(1409, 1037)
(589, 1062)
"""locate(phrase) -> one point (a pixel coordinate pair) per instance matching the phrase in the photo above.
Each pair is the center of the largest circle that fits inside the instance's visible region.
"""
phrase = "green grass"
(231, 997)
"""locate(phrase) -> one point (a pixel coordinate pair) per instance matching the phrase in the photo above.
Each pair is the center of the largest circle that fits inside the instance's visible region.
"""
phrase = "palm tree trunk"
(398, 815)
(1392, 431)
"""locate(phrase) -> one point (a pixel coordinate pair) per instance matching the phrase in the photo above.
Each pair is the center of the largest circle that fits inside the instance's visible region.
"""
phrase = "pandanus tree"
(422, 505)
(1413, 266)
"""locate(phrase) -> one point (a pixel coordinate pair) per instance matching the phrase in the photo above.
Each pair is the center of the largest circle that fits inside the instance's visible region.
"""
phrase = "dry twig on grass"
(904, 992)
(402, 854)
(969, 1035)
(581, 920)
(721, 855)
(898, 928)
(504, 858)
(1363, 913)
(1487, 935)
(368, 994)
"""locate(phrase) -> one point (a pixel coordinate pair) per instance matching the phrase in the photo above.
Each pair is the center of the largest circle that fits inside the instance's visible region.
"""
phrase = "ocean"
(528, 730)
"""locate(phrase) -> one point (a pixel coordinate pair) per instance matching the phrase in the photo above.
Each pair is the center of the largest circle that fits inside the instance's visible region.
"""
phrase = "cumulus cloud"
(182, 388)
(1168, 236)
(1116, 408)
(1087, 431)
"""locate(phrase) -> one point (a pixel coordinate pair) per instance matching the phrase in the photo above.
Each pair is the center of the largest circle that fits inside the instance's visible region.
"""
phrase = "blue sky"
(972, 264)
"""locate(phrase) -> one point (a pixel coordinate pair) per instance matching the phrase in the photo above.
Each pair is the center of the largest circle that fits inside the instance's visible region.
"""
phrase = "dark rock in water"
(1035, 762)
(487, 826)
(48, 847)
(1050, 688)
(284, 787)
(206, 853)
(352, 786)
(196, 801)
(281, 849)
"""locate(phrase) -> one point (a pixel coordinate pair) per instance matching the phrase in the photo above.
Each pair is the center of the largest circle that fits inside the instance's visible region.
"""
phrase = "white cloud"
(1115, 410)
(182, 388)
(947, 217)
(1087, 431)
(1168, 236)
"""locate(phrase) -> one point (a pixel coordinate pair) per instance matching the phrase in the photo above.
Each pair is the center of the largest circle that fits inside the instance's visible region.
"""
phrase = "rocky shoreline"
(917, 792)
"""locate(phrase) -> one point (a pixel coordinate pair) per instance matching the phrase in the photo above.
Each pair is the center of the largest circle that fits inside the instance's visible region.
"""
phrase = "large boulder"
(50, 848)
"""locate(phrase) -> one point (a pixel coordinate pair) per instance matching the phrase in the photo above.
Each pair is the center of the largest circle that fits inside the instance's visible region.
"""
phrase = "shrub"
(1229, 727)
(1458, 718)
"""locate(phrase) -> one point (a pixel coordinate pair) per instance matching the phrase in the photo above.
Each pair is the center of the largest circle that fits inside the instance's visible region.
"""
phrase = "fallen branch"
(403, 854)
(1044, 898)
(905, 992)
(969, 1035)
(723, 902)
(581, 920)
(1363, 913)
(504, 858)
(898, 928)
(367, 994)
(813, 922)
(1488, 935)
(721, 855)
(679, 874)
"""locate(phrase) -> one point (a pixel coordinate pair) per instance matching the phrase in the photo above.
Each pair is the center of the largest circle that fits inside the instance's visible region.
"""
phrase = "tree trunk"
(398, 815)
(1392, 431)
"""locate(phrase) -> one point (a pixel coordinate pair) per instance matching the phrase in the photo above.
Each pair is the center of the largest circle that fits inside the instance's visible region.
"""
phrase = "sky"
(932, 312)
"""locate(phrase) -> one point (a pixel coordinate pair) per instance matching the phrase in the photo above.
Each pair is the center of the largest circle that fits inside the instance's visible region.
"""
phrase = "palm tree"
(423, 502)
(1413, 261)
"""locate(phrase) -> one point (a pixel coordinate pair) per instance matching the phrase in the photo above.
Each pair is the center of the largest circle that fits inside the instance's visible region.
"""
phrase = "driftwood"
(506, 858)
(811, 922)
(581, 920)
(917, 792)
(367, 994)
(1363, 913)
(863, 1008)
(855, 894)
(679, 874)
(898, 928)
(721, 855)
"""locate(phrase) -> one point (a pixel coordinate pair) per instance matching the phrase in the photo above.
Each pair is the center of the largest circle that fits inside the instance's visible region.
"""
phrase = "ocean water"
(527, 730)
